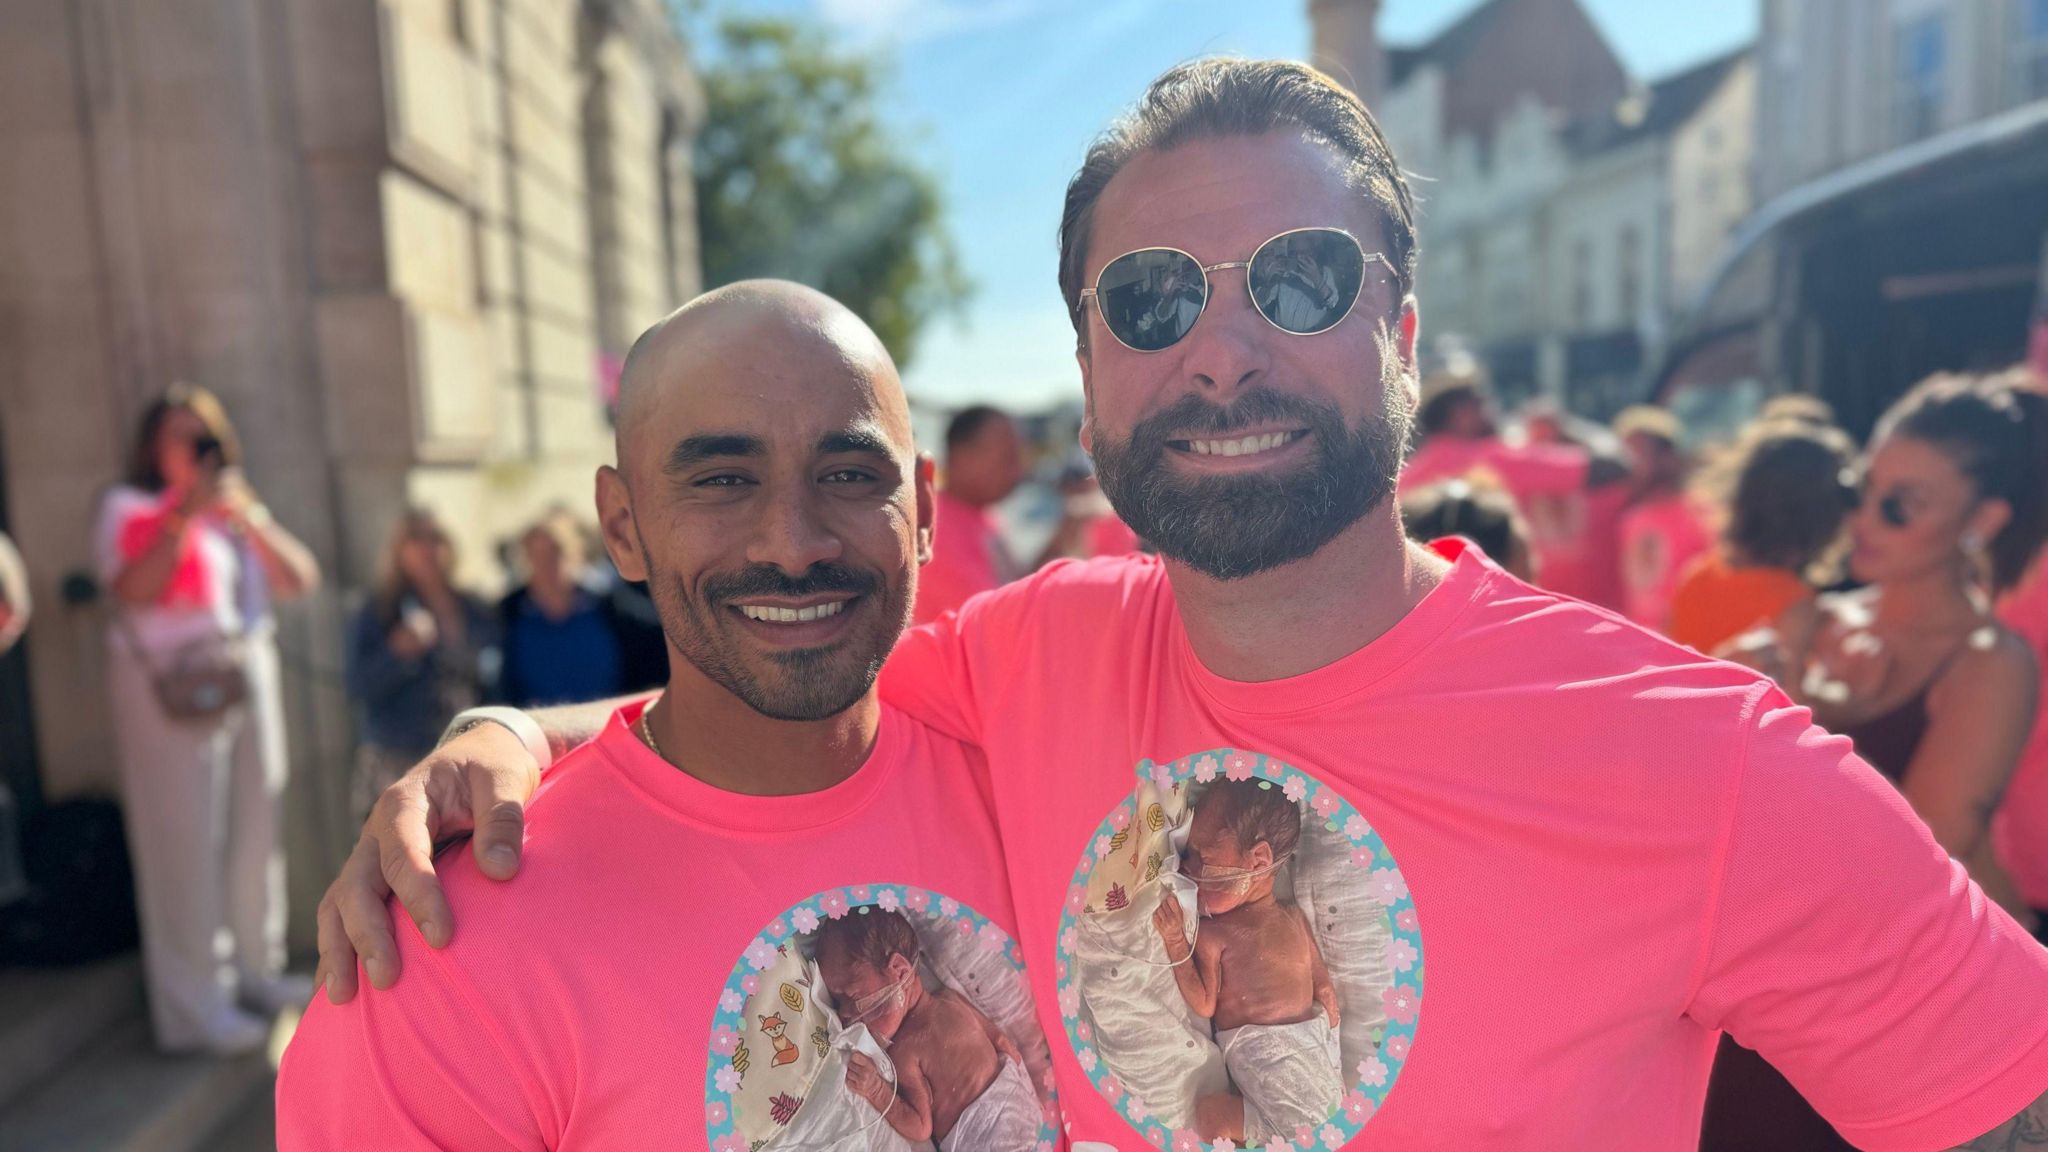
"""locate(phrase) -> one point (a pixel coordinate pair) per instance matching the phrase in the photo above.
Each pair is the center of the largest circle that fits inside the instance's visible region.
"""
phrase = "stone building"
(1565, 209)
(407, 241)
(1901, 220)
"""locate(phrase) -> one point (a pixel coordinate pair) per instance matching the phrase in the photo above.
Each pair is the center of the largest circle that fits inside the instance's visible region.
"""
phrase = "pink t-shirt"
(1659, 538)
(1543, 855)
(1526, 470)
(2020, 831)
(968, 557)
(644, 982)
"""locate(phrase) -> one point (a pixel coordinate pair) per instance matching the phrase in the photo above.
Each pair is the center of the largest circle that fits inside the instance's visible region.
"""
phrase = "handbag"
(203, 678)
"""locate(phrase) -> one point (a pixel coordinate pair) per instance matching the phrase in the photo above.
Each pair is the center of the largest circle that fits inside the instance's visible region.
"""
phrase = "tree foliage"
(799, 178)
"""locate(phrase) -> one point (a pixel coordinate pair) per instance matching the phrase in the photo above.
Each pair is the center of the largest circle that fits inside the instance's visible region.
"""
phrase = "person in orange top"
(1786, 500)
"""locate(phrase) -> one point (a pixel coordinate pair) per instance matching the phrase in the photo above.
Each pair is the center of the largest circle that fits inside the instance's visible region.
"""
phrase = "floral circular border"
(1403, 1002)
(804, 917)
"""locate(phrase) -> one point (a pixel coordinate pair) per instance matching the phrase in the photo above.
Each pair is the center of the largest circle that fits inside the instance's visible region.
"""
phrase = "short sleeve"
(412, 1067)
(116, 508)
(929, 678)
(1845, 947)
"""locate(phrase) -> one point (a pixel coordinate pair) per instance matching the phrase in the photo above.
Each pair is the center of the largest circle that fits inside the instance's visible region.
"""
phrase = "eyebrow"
(865, 440)
(695, 450)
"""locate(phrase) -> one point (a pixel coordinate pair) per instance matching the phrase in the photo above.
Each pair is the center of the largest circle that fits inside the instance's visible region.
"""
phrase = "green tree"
(798, 178)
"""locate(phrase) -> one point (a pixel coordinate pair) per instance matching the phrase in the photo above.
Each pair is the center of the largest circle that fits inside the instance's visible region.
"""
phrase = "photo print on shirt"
(1239, 958)
(837, 999)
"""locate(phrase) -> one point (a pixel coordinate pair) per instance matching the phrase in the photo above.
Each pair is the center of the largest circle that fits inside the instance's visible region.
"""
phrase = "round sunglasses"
(1303, 281)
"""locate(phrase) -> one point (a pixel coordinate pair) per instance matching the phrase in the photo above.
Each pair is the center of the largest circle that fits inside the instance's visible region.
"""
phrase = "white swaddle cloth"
(1004, 1118)
(1287, 1074)
(832, 1118)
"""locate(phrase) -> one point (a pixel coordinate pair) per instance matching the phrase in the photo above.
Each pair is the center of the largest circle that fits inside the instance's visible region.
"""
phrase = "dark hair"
(871, 935)
(1444, 395)
(1484, 515)
(1252, 812)
(1786, 494)
(1207, 99)
(1995, 428)
(967, 423)
(143, 472)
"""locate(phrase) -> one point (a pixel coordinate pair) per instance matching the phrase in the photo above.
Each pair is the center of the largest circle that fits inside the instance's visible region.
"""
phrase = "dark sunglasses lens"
(1893, 510)
(1150, 298)
(1306, 281)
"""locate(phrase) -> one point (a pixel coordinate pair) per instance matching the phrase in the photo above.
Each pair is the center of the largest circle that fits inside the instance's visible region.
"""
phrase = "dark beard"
(806, 684)
(1231, 527)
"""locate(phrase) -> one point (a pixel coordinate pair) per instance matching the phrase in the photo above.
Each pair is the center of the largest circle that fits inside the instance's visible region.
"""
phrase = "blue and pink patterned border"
(1403, 1002)
(803, 918)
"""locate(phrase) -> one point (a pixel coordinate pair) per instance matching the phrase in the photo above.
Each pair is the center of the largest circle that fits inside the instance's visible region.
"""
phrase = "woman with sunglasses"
(1934, 691)
(421, 650)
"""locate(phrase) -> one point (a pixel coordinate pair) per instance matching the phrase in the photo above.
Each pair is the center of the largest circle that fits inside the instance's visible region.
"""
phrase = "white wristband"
(512, 720)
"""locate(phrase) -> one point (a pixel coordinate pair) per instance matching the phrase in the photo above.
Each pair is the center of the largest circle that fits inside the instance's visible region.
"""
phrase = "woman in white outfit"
(194, 561)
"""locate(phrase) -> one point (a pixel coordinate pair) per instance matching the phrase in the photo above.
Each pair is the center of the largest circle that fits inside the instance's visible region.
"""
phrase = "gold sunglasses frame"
(1208, 289)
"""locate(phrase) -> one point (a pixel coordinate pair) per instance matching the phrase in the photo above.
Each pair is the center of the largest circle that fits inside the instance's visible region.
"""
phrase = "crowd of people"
(1895, 591)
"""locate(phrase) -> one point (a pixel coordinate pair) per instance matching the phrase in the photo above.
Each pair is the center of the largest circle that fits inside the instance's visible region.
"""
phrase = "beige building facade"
(407, 241)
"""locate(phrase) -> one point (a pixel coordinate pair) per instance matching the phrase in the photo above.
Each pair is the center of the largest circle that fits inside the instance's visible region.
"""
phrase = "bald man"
(655, 985)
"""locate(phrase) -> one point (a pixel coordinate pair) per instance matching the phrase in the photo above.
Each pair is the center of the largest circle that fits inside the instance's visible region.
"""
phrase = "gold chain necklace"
(647, 730)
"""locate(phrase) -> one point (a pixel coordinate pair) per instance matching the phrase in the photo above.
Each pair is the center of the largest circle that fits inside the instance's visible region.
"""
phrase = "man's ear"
(924, 472)
(1410, 330)
(615, 520)
(1087, 399)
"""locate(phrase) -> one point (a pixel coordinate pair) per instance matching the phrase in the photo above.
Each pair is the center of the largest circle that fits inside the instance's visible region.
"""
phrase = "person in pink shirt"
(1545, 856)
(2019, 832)
(673, 969)
(1661, 529)
(984, 464)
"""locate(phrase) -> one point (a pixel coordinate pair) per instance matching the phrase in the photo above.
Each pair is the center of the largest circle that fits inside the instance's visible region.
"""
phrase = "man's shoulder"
(1077, 593)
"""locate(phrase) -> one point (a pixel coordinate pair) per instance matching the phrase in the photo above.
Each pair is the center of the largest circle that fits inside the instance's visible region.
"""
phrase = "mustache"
(768, 580)
(1193, 416)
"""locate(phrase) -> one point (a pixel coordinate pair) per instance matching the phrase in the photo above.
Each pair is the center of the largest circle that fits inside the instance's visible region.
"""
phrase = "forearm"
(1195, 987)
(144, 579)
(288, 565)
(2029, 1129)
(568, 726)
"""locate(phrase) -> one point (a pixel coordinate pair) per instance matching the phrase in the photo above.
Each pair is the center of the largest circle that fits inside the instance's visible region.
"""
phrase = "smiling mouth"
(778, 614)
(1240, 446)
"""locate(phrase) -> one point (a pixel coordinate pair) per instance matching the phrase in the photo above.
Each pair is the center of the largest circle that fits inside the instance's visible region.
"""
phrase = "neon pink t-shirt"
(968, 557)
(1661, 536)
(1543, 854)
(2020, 830)
(1527, 470)
(643, 982)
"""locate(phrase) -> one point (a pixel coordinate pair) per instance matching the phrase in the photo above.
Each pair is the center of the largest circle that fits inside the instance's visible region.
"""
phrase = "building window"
(2030, 51)
(1631, 284)
(1921, 76)
(1582, 285)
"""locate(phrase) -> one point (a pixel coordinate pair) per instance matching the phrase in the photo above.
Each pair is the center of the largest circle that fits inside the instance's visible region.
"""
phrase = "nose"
(1228, 350)
(792, 534)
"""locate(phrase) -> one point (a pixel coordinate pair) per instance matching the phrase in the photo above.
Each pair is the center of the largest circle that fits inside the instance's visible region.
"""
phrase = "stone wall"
(399, 238)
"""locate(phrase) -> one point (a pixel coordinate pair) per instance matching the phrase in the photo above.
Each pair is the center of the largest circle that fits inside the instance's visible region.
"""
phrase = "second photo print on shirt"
(1239, 957)
(882, 1017)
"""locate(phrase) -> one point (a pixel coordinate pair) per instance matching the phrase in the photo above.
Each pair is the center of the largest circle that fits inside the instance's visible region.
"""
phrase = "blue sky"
(1000, 97)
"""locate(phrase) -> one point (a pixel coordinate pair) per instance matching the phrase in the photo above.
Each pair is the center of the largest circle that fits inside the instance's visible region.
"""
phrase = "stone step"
(122, 1095)
(49, 1015)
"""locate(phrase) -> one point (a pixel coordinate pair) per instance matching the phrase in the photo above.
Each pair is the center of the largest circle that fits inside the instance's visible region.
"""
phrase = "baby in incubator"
(1254, 969)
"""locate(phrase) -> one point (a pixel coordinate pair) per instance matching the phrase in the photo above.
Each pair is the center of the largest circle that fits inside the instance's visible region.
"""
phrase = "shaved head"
(749, 330)
(768, 492)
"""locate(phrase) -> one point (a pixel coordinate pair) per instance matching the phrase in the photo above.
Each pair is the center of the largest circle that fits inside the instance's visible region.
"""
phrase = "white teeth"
(776, 615)
(1245, 447)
